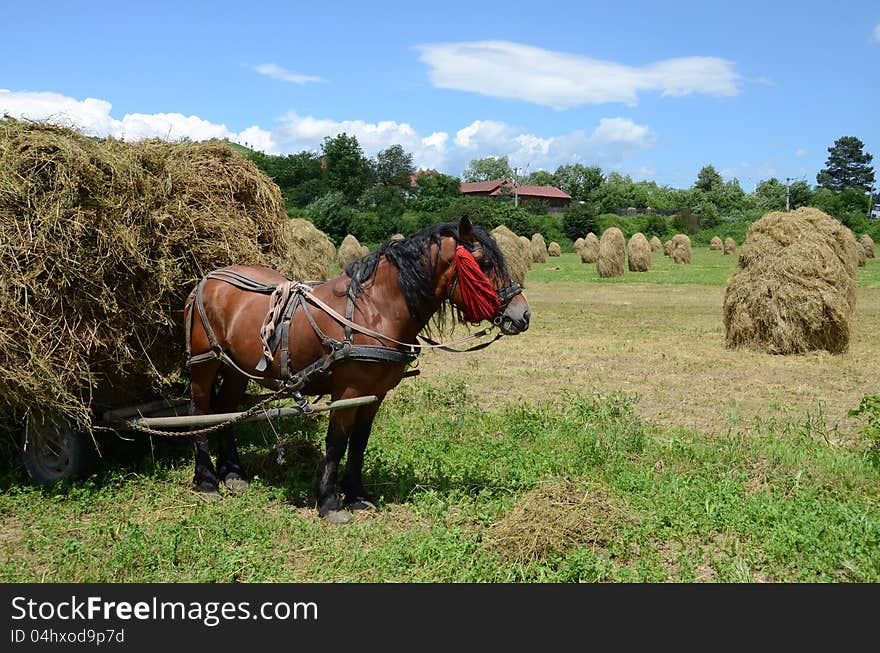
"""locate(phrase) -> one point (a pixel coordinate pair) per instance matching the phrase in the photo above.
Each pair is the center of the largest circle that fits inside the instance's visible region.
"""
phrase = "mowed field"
(615, 441)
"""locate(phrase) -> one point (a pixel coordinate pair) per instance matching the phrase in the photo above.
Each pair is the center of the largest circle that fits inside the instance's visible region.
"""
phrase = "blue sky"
(655, 90)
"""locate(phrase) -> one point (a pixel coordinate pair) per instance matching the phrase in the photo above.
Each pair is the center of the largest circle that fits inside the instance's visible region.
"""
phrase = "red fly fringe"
(479, 299)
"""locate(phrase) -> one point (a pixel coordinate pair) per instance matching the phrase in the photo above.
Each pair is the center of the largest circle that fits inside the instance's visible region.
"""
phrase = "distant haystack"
(350, 250)
(715, 244)
(638, 253)
(861, 254)
(867, 244)
(656, 245)
(553, 249)
(580, 243)
(794, 288)
(517, 254)
(590, 250)
(681, 249)
(539, 248)
(729, 245)
(310, 252)
(667, 247)
(612, 253)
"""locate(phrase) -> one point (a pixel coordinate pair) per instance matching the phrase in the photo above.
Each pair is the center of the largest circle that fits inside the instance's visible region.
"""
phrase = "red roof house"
(554, 197)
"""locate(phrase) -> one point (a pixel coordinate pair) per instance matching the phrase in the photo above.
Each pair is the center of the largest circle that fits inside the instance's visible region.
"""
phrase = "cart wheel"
(56, 452)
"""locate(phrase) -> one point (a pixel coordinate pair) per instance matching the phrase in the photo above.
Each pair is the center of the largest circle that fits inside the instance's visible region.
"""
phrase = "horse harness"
(285, 298)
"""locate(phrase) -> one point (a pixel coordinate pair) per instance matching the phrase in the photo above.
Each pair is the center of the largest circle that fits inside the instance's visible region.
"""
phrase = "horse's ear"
(466, 230)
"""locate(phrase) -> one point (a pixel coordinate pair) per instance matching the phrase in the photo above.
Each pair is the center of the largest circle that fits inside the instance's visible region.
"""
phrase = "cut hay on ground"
(350, 250)
(539, 248)
(590, 250)
(656, 245)
(729, 246)
(578, 244)
(612, 253)
(667, 247)
(517, 254)
(794, 288)
(867, 244)
(715, 244)
(638, 253)
(310, 252)
(553, 249)
(681, 249)
(101, 243)
(557, 517)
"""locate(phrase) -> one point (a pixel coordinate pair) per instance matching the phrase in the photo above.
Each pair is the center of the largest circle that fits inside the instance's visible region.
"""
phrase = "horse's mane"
(416, 270)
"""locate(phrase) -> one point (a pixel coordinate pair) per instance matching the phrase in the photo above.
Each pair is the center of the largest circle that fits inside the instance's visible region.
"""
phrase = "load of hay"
(715, 244)
(667, 247)
(794, 288)
(578, 244)
(638, 253)
(681, 249)
(590, 250)
(612, 253)
(656, 245)
(350, 250)
(517, 255)
(553, 249)
(310, 252)
(729, 246)
(867, 244)
(101, 243)
(861, 255)
(539, 248)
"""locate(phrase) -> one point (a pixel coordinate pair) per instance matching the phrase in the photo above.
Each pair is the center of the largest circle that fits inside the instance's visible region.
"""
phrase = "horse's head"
(478, 283)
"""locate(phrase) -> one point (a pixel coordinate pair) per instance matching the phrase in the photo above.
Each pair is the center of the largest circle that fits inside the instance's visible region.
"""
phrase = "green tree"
(540, 178)
(847, 166)
(488, 169)
(579, 220)
(799, 194)
(332, 214)
(578, 180)
(346, 170)
(770, 195)
(708, 179)
(434, 192)
(393, 167)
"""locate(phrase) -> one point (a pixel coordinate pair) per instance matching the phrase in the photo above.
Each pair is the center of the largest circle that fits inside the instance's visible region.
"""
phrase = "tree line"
(342, 191)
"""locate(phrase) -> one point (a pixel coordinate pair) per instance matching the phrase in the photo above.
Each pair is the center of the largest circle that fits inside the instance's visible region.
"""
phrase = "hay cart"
(58, 451)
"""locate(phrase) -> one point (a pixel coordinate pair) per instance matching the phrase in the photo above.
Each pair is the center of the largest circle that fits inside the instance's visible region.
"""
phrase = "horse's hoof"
(337, 516)
(361, 504)
(235, 483)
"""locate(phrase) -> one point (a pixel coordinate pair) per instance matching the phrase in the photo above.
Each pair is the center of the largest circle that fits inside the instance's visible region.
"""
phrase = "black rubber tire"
(58, 453)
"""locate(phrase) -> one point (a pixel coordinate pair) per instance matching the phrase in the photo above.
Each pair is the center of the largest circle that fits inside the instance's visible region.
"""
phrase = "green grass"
(778, 506)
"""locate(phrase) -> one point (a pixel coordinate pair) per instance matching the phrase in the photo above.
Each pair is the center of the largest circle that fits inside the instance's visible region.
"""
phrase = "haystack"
(867, 244)
(861, 254)
(681, 249)
(539, 248)
(553, 249)
(310, 252)
(612, 253)
(667, 247)
(517, 254)
(656, 245)
(729, 245)
(101, 243)
(590, 250)
(794, 288)
(715, 244)
(350, 250)
(578, 244)
(638, 253)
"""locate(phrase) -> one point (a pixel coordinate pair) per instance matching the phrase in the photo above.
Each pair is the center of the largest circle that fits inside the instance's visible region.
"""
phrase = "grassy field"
(617, 440)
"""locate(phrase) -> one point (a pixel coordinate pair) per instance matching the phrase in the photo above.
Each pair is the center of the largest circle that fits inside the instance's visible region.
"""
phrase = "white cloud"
(277, 72)
(561, 80)
(611, 142)
(800, 153)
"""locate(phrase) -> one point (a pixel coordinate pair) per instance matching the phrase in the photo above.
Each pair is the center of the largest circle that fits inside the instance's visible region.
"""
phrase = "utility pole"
(787, 193)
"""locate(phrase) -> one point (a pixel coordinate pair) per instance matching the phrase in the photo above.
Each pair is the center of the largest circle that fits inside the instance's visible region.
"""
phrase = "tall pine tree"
(847, 166)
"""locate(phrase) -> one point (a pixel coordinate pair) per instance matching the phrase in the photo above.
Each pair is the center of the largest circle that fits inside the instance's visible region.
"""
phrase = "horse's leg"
(356, 497)
(202, 379)
(227, 399)
(338, 431)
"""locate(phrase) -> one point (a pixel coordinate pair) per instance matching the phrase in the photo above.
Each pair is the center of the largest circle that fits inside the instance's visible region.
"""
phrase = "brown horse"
(351, 336)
